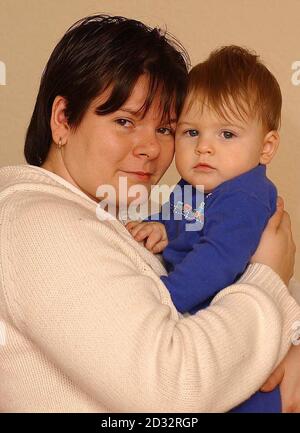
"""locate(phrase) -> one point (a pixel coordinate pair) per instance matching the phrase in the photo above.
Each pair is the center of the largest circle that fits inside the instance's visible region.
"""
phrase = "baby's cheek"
(184, 162)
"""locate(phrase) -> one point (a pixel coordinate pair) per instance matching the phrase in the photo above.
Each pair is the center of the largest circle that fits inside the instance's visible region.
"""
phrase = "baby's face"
(210, 150)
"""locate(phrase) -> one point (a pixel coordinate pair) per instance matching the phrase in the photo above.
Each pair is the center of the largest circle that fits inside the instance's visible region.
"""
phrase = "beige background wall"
(29, 29)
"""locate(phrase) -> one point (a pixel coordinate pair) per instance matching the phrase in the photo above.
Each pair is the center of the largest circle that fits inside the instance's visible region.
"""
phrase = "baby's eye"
(227, 135)
(192, 133)
(124, 122)
(166, 131)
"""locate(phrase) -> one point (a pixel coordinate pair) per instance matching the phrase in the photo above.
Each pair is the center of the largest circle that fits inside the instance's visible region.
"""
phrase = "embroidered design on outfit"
(188, 212)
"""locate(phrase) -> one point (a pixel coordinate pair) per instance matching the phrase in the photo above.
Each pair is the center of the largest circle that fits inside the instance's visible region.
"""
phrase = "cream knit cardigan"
(87, 325)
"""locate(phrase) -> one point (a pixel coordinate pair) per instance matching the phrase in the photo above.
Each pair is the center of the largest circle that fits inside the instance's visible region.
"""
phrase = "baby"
(225, 136)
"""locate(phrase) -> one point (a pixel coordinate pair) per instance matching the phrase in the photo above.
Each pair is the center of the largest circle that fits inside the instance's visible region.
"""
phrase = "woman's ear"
(59, 123)
(270, 146)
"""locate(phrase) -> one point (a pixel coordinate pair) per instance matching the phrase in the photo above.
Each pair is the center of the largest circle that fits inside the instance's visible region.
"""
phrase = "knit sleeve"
(75, 289)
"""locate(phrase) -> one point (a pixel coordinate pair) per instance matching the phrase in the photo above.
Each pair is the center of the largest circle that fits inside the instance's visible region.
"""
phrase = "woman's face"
(106, 147)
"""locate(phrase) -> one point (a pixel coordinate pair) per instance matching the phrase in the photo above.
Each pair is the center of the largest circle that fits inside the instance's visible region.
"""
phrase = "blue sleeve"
(232, 229)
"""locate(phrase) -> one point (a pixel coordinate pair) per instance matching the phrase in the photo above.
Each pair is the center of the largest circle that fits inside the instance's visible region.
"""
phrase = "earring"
(60, 145)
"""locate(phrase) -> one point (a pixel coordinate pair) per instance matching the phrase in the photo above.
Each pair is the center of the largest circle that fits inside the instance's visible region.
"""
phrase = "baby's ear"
(270, 146)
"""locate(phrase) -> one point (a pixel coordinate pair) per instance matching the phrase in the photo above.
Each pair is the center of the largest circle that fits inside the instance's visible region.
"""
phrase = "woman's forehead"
(136, 103)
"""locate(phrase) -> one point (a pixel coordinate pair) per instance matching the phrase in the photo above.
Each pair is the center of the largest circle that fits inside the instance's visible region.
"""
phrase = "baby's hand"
(153, 232)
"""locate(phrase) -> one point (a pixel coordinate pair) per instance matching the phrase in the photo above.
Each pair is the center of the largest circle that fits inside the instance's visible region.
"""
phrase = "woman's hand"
(276, 247)
(287, 374)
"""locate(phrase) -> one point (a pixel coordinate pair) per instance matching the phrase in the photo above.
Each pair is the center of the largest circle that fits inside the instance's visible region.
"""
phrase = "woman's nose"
(204, 146)
(148, 147)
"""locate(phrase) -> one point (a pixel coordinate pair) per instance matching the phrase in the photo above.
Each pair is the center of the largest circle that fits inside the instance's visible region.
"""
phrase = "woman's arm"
(100, 314)
(287, 374)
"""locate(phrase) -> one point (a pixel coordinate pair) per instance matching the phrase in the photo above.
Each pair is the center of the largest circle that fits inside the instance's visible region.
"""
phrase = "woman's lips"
(204, 167)
(140, 175)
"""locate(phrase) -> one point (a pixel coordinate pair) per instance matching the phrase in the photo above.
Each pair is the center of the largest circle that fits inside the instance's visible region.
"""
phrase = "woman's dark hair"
(101, 51)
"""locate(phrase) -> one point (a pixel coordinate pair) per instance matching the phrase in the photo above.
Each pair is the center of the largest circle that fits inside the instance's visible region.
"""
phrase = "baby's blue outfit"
(201, 263)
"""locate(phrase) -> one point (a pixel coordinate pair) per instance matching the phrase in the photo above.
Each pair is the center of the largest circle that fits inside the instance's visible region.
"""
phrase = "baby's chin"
(202, 183)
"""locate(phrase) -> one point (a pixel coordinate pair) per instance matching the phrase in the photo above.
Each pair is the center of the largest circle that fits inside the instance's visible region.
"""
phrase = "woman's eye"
(192, 132)
(166, 131)
(227, 135)
(124, 122)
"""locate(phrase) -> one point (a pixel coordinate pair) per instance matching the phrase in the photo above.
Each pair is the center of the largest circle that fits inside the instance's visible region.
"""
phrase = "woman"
(90, 327)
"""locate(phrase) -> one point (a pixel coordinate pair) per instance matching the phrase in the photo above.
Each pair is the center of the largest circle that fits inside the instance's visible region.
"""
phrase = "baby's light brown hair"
(233, 81)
